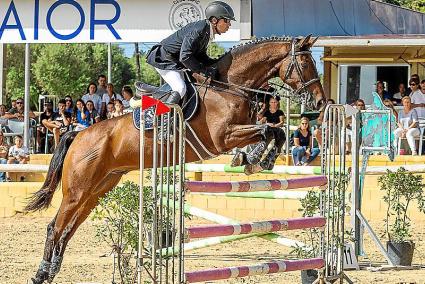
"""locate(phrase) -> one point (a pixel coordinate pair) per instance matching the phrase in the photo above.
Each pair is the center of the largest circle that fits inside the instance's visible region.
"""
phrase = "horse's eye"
(304, 65)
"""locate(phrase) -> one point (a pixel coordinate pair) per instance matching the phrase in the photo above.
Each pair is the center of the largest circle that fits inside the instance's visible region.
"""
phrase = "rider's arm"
(187, 53)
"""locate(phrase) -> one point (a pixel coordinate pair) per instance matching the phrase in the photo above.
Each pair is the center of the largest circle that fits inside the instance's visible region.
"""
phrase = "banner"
(72, 21)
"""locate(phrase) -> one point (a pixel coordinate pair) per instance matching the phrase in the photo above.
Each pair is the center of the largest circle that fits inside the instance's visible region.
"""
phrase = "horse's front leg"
(279, 136)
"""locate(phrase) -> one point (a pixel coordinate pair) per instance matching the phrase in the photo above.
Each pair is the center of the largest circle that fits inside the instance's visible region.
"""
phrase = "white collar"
(211, 32)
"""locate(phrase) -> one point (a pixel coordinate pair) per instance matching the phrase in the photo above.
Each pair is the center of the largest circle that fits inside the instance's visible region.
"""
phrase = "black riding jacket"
(184, 49)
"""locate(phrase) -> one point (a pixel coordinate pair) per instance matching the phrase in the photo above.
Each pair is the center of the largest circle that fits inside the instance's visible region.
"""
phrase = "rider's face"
(223, 25)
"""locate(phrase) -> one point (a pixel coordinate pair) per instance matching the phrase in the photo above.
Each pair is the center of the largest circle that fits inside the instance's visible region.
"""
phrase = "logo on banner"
(183, 12)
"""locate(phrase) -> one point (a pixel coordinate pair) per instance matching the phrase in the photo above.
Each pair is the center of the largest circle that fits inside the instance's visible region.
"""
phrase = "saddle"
(189, 104)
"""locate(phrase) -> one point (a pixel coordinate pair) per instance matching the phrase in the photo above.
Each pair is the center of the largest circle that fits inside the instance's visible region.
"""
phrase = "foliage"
(401, 189)
(214, 50)
(417, 5)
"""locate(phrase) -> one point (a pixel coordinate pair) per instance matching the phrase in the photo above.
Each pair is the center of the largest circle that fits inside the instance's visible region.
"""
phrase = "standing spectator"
(303, 153)
(4, 151)
(119, 109)
(18, 113)
(69, 104)
(13, 106)
(380, 89)
(109, 96)
(92, 96)
(417, 97)
(81, 116)
(18, 154)
(110, 110)
(273, 116)
(101, 85)
(94, 116)
(127, 94)
(60, 122)
(407, 125)
(45, 125)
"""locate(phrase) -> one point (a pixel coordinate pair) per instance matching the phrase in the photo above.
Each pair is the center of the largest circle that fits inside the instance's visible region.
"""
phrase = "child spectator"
(119, 109)
(109, 96)
(92, 96)
(81, 116)
(18, 154)
(109, 110)
(94, 116)
(4, 152)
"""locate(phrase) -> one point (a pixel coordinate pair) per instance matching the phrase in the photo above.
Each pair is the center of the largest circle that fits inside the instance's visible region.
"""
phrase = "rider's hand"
(211, 72)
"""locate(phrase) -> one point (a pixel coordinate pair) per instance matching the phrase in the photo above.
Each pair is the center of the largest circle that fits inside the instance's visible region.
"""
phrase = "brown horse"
(91, 162)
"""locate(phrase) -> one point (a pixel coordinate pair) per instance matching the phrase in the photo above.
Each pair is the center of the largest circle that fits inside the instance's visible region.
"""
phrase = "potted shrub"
(402, 188)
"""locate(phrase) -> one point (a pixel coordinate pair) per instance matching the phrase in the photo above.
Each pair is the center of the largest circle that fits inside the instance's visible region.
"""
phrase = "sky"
(317, 52)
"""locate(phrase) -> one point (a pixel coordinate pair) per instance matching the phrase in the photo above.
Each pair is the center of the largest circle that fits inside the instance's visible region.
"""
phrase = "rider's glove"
(211, 72)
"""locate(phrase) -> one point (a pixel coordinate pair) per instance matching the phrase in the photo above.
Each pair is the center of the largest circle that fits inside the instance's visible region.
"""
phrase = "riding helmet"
(219, 10)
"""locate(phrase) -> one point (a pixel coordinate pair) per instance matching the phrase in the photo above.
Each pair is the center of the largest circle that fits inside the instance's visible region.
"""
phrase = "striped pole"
(254, 227)
(253, 186)
(251, 270)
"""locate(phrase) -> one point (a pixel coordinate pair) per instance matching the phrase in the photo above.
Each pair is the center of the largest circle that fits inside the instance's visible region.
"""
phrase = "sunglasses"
(227, 21)
(19, 103)
(413, 84)
(68, 100)
(360, 105)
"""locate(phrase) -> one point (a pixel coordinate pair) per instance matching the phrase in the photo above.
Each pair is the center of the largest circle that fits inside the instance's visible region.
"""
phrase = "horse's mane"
(237, 49)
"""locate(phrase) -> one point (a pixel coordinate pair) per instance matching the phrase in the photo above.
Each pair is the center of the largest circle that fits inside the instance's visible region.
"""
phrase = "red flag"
(148, 102)
(161, 108)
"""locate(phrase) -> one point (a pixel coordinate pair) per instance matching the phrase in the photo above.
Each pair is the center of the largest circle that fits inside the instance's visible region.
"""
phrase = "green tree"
(417, 5)
(214, 50)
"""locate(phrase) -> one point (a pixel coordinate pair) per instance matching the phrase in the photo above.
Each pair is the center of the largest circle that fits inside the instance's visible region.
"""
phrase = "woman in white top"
(417, 97)
(109, 96)
(407, 124)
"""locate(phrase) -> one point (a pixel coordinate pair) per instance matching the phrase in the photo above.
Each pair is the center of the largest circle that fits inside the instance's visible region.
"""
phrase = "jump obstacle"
(168, 233)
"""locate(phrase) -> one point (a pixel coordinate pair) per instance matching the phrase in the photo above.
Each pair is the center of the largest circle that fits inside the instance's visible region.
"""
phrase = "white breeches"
(175, 79)
(410, 136)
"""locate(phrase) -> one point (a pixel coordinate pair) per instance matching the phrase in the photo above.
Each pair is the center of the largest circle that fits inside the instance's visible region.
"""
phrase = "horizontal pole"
(24, 168)
(251, 270)
(209, 231)
(278, 194)
(257, 185)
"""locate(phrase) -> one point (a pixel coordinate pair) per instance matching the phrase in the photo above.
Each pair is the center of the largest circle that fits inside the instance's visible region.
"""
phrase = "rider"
(187, 49)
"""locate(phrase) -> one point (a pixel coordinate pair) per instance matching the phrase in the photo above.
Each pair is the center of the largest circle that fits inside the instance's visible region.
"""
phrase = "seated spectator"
(417, 97)
(401, 93)
(407, 125)
(4, 152)
(81, 116)
(92, 96)
(318, 123)
(273, 116)
(109, 110)
(69, 106)
(303, 153)
(94, 116)
(415, 77)
(44, 125)
(119, 108)
(2, 110)
(127, 94)
(18, 154)
(380, 89)
(13, 106)
(60, 122)
(18, 113)
(389, 104)
(109, 96)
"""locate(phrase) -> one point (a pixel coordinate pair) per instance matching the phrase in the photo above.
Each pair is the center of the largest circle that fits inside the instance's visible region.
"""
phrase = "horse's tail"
(41, 199)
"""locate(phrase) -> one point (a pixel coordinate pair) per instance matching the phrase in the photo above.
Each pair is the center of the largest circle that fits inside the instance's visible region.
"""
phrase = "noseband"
(295, 65)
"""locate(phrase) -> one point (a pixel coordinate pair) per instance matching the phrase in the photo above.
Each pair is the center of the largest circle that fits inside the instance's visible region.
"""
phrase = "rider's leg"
(175, 79)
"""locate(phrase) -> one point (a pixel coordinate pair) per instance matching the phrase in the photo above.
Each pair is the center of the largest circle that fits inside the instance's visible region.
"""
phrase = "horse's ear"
(305, 42)
(313, 41)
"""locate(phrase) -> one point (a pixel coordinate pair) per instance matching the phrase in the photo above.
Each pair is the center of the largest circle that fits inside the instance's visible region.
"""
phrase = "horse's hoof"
(237, 160)
(37, 281)
(252, 169)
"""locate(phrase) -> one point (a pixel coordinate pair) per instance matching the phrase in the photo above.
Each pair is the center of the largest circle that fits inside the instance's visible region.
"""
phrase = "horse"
(91, 162)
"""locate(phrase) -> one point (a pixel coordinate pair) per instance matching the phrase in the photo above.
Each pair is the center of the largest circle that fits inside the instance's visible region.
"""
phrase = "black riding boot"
(174, 98)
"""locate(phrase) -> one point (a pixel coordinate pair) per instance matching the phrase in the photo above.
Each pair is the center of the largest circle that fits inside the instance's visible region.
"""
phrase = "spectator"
(94, 116)
(389, 104)
(127, 94)
(273, 116)
(69, 104)
(303, 153)
(109, 110)
(119, 109)
(4, 151)
(18, 113)
(18, 154)
(417, 97)
(109, 96)
(81, 116)
(2, 110)
(422, 86)
(414, 76)
(44, 125)
(380, 89)
(92, 96)
(318, 123)
(13, 108)
(60, 122)
(407, 124)
(401, 93)
(101, 86)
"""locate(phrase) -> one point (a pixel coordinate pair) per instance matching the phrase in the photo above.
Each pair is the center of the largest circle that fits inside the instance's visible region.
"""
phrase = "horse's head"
(299, 71)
